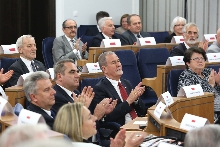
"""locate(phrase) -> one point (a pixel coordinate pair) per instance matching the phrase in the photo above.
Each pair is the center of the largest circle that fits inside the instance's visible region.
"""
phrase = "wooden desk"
(16, 55)
(136, 48)
(130, 126)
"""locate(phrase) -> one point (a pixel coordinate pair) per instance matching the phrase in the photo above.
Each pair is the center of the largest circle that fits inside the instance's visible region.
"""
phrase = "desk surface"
(130, 126)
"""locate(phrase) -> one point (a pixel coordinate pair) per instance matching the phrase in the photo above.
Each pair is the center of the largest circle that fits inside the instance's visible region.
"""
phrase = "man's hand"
(76, 46)
(217, 77)
(204, 45)
(5, 77)
(135, 140)
(84, 47)
(135, 93)
(119, 139)
(110, 106)
(212, 77)
(88, 94)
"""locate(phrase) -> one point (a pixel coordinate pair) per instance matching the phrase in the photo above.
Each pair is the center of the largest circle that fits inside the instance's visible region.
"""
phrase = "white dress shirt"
(27, 63)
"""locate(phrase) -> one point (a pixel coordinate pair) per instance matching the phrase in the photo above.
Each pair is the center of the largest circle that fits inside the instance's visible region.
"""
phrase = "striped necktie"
(33, 66)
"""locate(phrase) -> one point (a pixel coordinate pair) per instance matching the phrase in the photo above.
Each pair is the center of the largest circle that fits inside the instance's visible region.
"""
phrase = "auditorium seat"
(47, 45)
(159, 36)
(7, 62)
(87, 39)
(172, 81)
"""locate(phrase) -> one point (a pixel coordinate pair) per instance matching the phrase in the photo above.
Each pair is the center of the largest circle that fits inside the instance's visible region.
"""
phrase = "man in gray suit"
(215, 47)
(130, 36)
(68, 46)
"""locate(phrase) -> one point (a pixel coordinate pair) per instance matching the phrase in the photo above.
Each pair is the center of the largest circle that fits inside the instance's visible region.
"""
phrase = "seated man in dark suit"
(92, 31)
(130, 36)
(40, 93)
(129, 105)
(190, 35)
(107, 31)
(27, 49)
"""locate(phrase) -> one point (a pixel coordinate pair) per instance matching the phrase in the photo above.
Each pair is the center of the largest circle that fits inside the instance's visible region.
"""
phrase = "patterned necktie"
(138, 36)
(33, 66)
(77, 55)
(52, 114)
(124, 96)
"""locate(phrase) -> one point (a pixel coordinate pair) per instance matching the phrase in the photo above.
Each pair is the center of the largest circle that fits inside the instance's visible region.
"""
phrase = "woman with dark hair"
(196, 73)
(123, 23)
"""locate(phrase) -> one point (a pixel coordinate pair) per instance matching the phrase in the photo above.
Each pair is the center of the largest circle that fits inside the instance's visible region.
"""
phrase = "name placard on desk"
(110, 43)
(177, 39)
(213, 57)
(159, 109)
(30, 117)
(50, 71)
(174, 61)
(209, 37)
(167, 98)
(8, 49)
(22, 78)
(191, 91)
(91, 68)
(146, 41)
(5, 109)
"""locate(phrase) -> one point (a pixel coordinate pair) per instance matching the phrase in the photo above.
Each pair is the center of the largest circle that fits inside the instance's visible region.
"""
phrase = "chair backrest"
(129, 66)
(7, 62)
(159, 36)
(87, 39)
(172, 81)
(149, 58)
(47, 45)
(89, 82)
(17, 109)
(214, 66)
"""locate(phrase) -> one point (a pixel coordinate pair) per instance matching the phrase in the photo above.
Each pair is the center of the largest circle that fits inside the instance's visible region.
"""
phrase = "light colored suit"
(120, 30)
(62, 49)
(214, 48)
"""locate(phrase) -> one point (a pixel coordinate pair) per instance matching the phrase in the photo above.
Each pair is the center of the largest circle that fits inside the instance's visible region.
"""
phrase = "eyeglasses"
(190, 33)
(71, 27)
(198, 58)
(177, 25)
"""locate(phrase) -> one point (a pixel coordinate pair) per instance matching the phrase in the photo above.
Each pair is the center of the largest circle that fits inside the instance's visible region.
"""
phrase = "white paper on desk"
(209, 37)
(93, 67)
(50, 71)
(164, 144)
(177, 39)
(159, 109)
(2, 104)
(167, 98)
(22, 78)
(110, 43)
(3, 93)
(140, 122)
(213, 57)
(29, 117)
(191, 91)
(8, 49)
(175, 60)
(146, 41)
(190, 122)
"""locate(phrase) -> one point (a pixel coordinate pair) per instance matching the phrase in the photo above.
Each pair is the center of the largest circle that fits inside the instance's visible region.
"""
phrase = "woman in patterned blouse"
(196, 73)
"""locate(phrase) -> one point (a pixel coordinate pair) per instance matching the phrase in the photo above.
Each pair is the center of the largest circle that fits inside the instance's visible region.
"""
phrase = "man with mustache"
(68, 46)
(190, 35)
(26, 63)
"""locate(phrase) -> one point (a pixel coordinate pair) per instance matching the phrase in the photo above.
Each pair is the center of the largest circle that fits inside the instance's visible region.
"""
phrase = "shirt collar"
(26, 61)
(48, 112)
(186, 45)
(68, 39)
(106, 37)
(113, 82)
(66, 90)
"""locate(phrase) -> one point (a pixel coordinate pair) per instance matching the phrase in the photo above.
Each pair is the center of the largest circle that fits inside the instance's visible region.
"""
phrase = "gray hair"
(30, 86)
(102, 58)
(19, 41)
(101, 22)
(22, 132)
(59, 67)
(175, 20)
(202, 137)
(189, 25)
(129, 18)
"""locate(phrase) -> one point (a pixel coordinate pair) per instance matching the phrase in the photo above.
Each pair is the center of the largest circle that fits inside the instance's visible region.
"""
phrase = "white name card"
(3, 93)
(213, 57)
(29, 117)
(146, 41)
(159, 109)
(2, 104)
(164, 144)
(8, 49)
(50, 71)
(167, 98)
(140, 122)
(110, 43)
(190, 122)
(22, 78)
(209, 37)
(91, 68)
(191, 91)
(175, 60)
(5, 109)
(177, 39)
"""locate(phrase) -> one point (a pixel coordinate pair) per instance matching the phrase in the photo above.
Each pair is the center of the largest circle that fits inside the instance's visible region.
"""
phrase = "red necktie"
(124, 96)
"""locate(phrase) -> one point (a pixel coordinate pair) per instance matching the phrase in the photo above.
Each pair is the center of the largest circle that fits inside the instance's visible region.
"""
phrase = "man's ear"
(59, 76)
(20, 50)
(103, 69)
(33, 98)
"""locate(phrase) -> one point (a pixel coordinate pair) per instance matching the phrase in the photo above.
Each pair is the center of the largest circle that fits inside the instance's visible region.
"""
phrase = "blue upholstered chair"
(215, 67)
(47, 45)
(7, 62)
(172, 81)
(159, 36)
(17, 109)
(87, 39)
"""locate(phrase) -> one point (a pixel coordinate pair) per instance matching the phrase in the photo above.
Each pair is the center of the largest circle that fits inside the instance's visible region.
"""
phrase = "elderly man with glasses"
(190, 35)
(68, 46)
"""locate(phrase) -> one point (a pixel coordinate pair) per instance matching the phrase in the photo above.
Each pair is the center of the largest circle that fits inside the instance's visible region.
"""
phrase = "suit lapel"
(66, 42)
(134, 39)
(67, 97)
(23, 66)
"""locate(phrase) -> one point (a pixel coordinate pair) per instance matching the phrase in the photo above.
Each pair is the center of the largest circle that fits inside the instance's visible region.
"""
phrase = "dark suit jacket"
(178, 50)
(61, 98)
(49, 120)
(92, 31)
(20, 68)
(104, 89)
(128, 38)
(169, 38)
(96, 41)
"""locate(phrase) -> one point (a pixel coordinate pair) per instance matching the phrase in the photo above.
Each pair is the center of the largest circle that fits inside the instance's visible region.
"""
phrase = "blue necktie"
(33, 66)
(52, 114)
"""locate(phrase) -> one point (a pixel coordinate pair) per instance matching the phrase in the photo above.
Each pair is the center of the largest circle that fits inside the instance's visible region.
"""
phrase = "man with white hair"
(190, 35)
(26, 63)
(107, 28)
